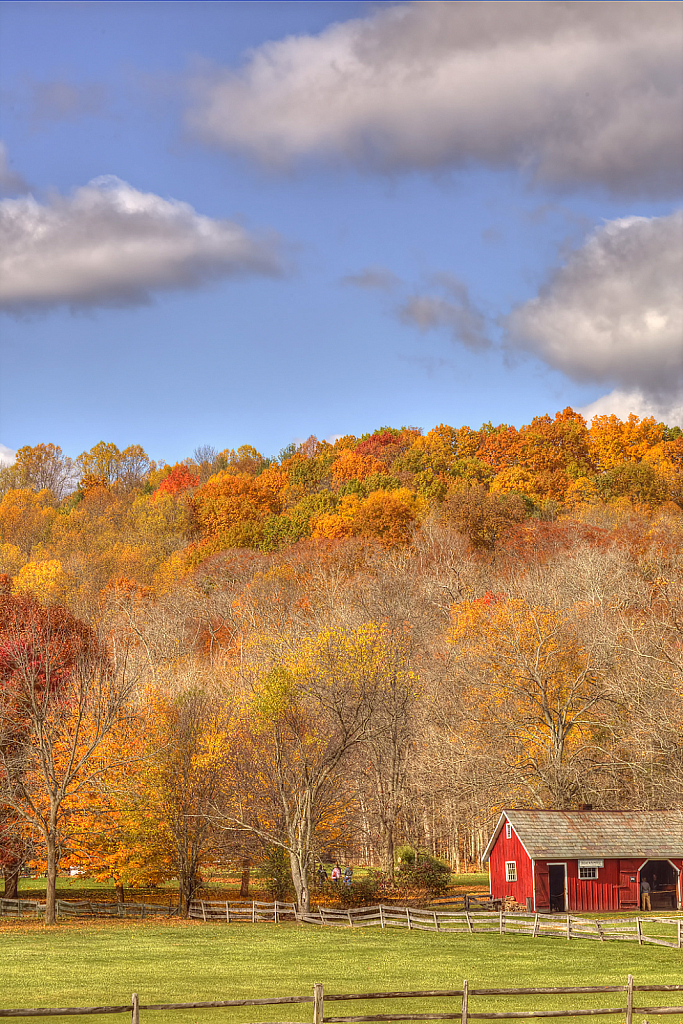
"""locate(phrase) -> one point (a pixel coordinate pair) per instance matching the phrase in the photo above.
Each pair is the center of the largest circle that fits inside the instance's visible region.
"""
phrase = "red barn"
(586, 860)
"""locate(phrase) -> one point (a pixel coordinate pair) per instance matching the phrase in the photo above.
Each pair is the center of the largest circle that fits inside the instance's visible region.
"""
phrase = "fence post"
(253, 912)
(569, 926)
(408, 918)
(500, 922)
(639, 929)
(318, 1003)
(136, 1009)
(277, 921)
(629, 1000)
(465, 999)
(536, 925)
(680, 932)
(381, 915)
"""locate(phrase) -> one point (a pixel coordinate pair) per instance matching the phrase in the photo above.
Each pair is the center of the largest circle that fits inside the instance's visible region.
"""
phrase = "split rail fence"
(657, 930)
(86, 908)
(660, 931)
(463, 1011)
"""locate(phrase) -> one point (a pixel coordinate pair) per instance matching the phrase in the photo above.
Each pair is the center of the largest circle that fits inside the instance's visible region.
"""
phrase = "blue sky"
(247, 222)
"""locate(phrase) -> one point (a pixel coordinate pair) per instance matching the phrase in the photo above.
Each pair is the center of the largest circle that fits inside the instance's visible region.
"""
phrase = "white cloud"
(614, 312)
(109, 244)
(576, 93)
(7, 455)
(11, 183)
(455, 311)
(622, 403)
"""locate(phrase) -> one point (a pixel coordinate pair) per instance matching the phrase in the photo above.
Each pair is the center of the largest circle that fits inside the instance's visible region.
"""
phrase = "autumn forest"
(247, 660)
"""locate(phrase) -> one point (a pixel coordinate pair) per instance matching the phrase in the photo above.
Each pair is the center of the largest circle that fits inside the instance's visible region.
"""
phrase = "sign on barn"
(586, 860)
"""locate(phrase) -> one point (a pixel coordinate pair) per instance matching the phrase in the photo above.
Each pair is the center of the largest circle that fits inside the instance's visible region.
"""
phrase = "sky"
(249, 222)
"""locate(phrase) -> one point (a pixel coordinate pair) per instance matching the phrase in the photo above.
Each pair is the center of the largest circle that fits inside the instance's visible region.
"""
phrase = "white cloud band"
(109, 244)
(578, 93)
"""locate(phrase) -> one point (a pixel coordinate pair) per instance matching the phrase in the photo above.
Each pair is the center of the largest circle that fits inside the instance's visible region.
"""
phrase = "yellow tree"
(535, 680)
(309, 710)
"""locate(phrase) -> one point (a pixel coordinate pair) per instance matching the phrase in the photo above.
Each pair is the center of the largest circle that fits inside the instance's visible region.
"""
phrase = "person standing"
(645, 890)
(348, 872)
(336, 873)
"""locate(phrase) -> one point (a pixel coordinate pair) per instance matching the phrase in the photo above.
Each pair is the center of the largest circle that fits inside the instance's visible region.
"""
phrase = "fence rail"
(461, 1012)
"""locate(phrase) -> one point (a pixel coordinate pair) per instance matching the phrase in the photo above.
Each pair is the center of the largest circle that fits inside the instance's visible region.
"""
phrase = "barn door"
(541, 877)
(629, 886)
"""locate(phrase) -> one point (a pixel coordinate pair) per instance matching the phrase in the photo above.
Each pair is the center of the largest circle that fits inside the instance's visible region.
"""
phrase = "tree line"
(344, 690)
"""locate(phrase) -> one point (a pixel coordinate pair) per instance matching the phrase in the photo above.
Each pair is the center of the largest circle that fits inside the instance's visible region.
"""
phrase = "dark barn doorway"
(556, 886)
(663, 879)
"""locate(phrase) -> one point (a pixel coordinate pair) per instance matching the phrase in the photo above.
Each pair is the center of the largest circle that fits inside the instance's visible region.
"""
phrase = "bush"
(362, 891)
(421, 871)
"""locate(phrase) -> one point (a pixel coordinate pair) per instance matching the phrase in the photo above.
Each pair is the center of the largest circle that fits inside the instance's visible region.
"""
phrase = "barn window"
(508, 830)
(511, 870)
(588, 872)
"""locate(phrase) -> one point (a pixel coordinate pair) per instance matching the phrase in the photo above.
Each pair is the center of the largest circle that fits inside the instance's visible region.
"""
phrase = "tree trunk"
(12, 880)
(246, 868)
(389, 853)
(51, 894)
(300, 884)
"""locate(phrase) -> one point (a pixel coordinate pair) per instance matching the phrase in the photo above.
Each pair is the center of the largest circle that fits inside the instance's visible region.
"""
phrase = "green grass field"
(96, 964)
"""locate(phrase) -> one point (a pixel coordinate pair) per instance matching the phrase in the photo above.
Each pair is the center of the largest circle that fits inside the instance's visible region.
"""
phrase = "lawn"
(96, 964)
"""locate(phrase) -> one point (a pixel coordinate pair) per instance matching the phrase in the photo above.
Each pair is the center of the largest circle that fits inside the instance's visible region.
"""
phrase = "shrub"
(421, 871)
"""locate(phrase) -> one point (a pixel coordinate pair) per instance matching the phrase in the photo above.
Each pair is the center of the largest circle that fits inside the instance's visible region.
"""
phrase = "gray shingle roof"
(585, 834)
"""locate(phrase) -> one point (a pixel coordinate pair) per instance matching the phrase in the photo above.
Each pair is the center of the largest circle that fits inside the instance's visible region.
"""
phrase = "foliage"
(421, 871)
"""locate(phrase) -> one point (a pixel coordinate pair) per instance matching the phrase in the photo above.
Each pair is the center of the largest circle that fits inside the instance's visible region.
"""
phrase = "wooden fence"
(657, 930)
(463, 1011)
(660, 931)
(86, 908)
(246, 911)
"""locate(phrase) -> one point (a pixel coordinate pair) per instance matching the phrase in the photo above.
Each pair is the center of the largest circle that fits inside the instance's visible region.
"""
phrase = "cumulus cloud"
(373, 277)
(109, 244)
(574, 93)
(7, 455)
(614, 312)
(11, 183)
(622, 403)
(453, 310)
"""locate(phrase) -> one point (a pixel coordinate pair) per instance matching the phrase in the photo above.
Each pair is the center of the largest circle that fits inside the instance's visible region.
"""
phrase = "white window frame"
(510, 870)
(508, 830)
(588, 874)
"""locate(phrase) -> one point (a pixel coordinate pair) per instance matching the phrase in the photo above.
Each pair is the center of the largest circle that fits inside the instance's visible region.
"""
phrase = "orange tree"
(62, 696)
(158, 809)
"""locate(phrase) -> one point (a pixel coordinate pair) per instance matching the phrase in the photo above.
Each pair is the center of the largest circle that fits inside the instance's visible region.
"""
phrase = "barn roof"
(577, 834)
